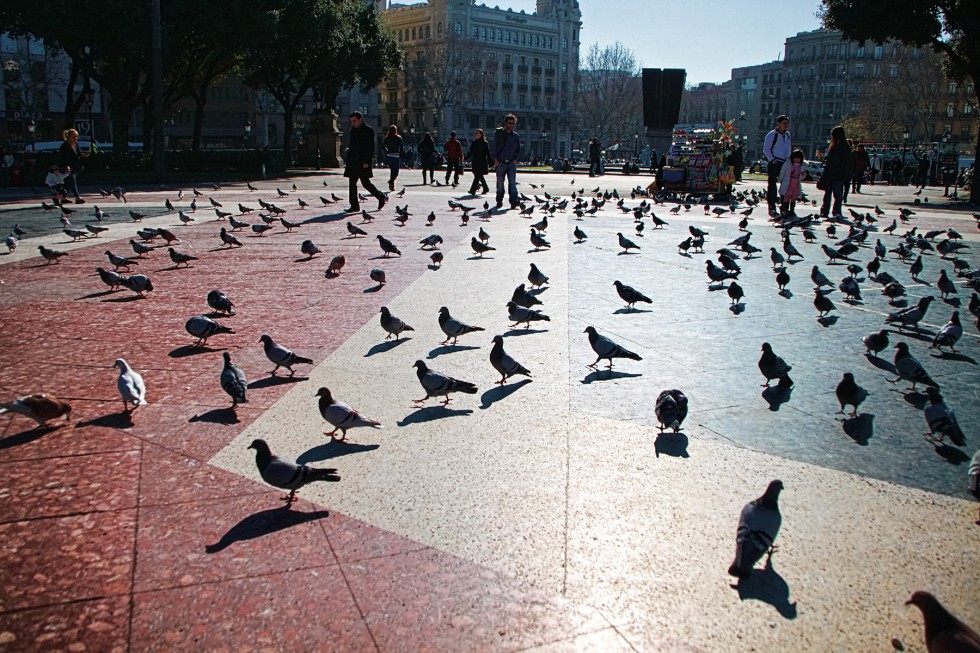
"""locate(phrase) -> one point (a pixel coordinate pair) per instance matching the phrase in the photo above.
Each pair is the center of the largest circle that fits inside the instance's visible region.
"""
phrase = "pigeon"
(203, 327)
(538, 240)
(684, 245)
(50, 255)
(782, 279)
(387, 246)
(237, 224)
(136, 216)
(452, 327)
(309, 248)
(521, 314)
(522, 297)
(822, 303)
(437, 384)
(790, 249)
(973, 473)
(580, 235)
(480, 247)
(910, 369)
(220, 302)
(180, 257)
(233, 382)
(138, 283)
(75, 234)
(671, 409)
(260, 229)
(244, 210)
(216, 204)
(944, 633)
(832, 254)
(536, 277)
(717, 274)
(228, 239)
(109, 277)
(758, 526)
(777, 259)
(95, 229)
(849, 393)
(131, 387)
(184, 218)
(607, 349)
(819, 278)
(630, 295)
(626, 243)
(392, 325)
(945, 285)
(949, 335)
(774, 367)
(302, 203)
(503, 363)
(40, 407)
(916, 268)
(436, 259)
(280, 356)
(941, 420)
(286, 475)
(289, 225)
(911, 316)
(735, 293)
(336, 265)
(483, 235)
(377, 275)
(850, 288)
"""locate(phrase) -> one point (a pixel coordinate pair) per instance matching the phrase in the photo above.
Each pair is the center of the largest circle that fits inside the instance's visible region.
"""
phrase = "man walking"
(505, 150)
(454, 158)
(595, 157)
(360, 159)
(776, 148)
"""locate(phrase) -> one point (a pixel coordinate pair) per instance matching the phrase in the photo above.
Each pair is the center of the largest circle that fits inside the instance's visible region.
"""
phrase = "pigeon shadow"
(119, 420)
(671, 444)
(768, 586)
(786, 292)
(860, 429)
(497, 393)
(432, 266)
(387, 345)
(263, 523)
(828, 320)
(881, 363)
(374, 289)
(191, 350)
(606, 375)
(952, 455)
(431, 413)
(121, 300)
(480, 258)
(777, 395)
(26, 437)
(955, 356)
(272, 381)
(628, 311)
(101, 293)
(225, 416)
(333, 449)
(449, 349)
(626, 253)
(737, 309)
(684, 254)
(523, 332)
(304, 259)
(953, 301)
(916, 399)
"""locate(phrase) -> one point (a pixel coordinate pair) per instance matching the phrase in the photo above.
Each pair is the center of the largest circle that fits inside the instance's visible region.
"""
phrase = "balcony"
(550, 90)
(522, 69)
(508, 66)
(536, 70)
(522, 88)
(536, 88)
(549, 72)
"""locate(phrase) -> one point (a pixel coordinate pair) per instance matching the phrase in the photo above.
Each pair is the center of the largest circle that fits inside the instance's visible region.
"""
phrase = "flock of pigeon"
(760, 520)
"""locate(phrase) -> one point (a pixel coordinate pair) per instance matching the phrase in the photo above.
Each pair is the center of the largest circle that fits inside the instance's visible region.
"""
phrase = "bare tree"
(445, 73)
(610, 96)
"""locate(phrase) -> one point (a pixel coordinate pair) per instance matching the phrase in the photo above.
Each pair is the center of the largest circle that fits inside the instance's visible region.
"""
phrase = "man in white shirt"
(776, 148)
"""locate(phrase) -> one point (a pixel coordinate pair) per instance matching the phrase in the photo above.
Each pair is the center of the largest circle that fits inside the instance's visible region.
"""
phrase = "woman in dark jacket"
(427, 155)
(480, 158)
(70, 161)
(836, 172)
(393, 154)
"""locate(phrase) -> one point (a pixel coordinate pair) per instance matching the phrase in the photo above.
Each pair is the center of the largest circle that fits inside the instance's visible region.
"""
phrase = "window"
(523, 61)
(551, 43)
(523, 38)
(859, 70)
(476, 32)
(521, 100)
(564, 43)
(893, 70)
(35, 46)
(414, 37)
(537, 40)
(967, 109)
(493, 34)
(950, 110)
(860, 51)
(439, 28)
(534, 101)
(483, 33)
(507, 36)
(877, 70)
(459, 28)
(491, 97)
(507, 79)
(878, 52)
(7, 43)
(564, 68)
(507, 98)
(547, 102)
(522, 80)
(507, 57)
(952, 88)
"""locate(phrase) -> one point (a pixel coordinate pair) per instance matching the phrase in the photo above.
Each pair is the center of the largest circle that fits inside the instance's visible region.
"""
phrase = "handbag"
(821, 184)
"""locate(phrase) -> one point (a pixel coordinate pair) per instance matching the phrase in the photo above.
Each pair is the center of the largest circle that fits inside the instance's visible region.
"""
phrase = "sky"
(706, 37)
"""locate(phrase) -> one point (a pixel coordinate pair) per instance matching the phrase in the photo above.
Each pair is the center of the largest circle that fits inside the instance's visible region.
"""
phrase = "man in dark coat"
(360, 160)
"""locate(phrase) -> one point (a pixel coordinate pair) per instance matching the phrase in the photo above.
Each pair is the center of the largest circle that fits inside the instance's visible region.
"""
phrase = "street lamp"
(905, 143)
(89, 99)
(317, 107)
(411, 141)
(248, 130)
(544, 135)
(483, 90)
(636, 145)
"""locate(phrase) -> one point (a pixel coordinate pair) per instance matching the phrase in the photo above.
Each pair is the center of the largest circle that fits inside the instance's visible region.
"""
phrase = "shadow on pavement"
(431, 413)
(449, 349)
(860, 429)
(191, 350)
(881, 364)
(333, 449)
(263, 523)
(777, 395)
(497, 393)
(606, 375)
(671, 444)
(117, 420)
(224, 416)
(271, 381)
(387, 345)
(952, 455)
(25, 437)
(768, 586)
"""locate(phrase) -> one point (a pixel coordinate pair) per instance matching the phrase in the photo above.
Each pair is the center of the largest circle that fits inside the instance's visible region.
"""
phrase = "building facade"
(467, 65)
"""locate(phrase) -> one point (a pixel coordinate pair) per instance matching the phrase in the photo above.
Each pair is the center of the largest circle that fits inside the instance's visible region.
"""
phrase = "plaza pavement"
(546, 514)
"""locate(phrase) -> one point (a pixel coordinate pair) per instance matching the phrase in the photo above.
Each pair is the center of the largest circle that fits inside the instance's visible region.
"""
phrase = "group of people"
(500, 154)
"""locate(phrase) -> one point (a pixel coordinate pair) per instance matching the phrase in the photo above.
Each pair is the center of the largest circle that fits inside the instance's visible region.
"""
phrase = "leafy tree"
(951, 28)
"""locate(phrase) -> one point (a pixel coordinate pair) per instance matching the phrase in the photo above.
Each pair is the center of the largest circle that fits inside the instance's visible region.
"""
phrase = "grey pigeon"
(536, 277)
(337, 263)
(819, 279)
(944, 633)
(790, 249)
(822, 303)
(522, 297)
(260, 229)
(233, 382)
(237, 224)
(519, 314)
(735, 293)
(95, 229)
(138, 283)
(50, 255)
(945, 285)
(876, 342)
(281, 356)
(452, 327)
(341, 416)
(285, 474)
(916, 268)
(503, 363)
(355, 231)
(387, 246)
(942, 420)
(717, 274)
(203, 327)
(480, 247)
(909, 368)
(180, 257)
(377, 275)
(228, 239)
(782, 279)
(392, 325)
(120, 261)
(109, 278)
(758, 526)
(950, 334)
(774, 367)
(607, 349)
(40, 407)
(849, 286)
(437, 384)
(75, 234)
(671, 409)
(220, 302)
(579, 235)
(626, 243)
(437, 258)
(630, 295)
(131, 386)
(849, 393)
(309, 248)
(912, 315)
(432, 241)
(538, 240)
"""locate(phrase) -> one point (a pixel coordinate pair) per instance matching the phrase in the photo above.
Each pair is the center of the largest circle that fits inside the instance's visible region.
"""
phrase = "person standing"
(790, 177)
(874, 167)
(6, 163)
(505, 149)
(595, 157)
(454, 158)
(427, 158)
(360, 157)
(70, 161)
(836, 172)
(480, 162)
(776, 148)
(861, 164)
(393, 154)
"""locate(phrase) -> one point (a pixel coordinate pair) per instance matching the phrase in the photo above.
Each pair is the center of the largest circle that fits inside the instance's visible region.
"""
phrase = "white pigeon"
(132, 389)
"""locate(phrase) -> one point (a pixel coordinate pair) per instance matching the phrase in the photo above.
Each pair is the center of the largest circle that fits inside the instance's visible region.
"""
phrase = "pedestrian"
(393, 154)
(6, 163)
(70, 161)
(454, 158)
(427, 158)
(506, 148)
(789, 182)
(861, 164)
(738, 160)
(922, 172)
(895, 176)
(836, 173)
(595, 157)
(360, 157)
(776, 148)
(480, 161)
(874, 167)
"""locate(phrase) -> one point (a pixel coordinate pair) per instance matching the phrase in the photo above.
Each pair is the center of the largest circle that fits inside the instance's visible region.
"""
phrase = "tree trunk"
(974, 195)
(287, 133)
(147, 126)
(121, 115)
(199, 103)
(70, 95)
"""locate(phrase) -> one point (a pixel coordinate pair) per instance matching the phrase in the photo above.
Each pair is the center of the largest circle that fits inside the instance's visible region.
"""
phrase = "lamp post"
(636, 145)
(248, 130)
(317, 107)
(31, 126)
(483, 90)
(411, 141)
(905, 143)
(544, 135)
(89, 99)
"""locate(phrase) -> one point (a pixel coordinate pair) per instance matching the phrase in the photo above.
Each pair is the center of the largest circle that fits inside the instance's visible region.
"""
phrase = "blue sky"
(706, 37)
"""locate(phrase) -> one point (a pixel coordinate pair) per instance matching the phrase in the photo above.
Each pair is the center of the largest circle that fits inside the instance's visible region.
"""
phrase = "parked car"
(812, 170)
(761, 166)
